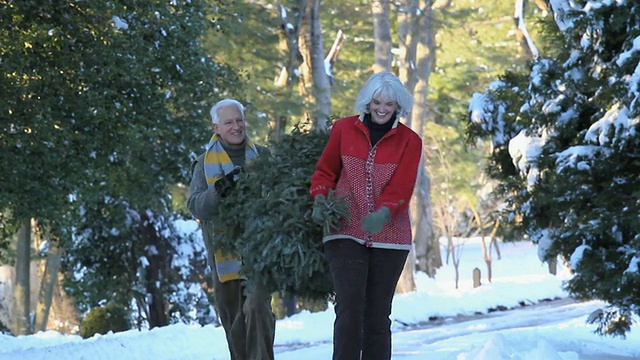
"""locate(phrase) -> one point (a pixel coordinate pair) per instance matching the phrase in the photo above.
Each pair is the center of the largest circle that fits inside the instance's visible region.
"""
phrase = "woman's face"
(382, 108)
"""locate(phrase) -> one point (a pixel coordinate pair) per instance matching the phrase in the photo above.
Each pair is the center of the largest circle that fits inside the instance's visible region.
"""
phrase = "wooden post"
(553, 266)
(476, 278)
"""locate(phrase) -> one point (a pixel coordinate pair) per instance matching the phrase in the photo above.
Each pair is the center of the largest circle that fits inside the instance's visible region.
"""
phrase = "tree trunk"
(425, 235)
(315, 81)
(494, 240)
(427, 247)
(47, 286)
(486, 254)
(289, 45)
(417, 58)
(63, 310)
(156, 254)
(455, 258)
(381, 36)
(407, 283)
(424, 32)
(21, 291)
(290, 29)
(407, 29)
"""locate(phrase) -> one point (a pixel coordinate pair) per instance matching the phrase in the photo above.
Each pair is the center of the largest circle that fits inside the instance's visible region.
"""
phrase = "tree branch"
(332, 56)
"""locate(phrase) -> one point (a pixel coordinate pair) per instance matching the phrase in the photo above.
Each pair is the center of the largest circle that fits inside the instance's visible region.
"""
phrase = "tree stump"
(476, 278)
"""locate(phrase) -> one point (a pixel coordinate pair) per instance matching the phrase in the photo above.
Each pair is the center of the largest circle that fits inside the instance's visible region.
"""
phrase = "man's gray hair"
(224, 103)
(387, 85)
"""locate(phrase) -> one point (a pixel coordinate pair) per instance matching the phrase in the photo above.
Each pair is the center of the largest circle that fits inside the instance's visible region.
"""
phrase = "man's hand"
(225, 184)
(375, 221)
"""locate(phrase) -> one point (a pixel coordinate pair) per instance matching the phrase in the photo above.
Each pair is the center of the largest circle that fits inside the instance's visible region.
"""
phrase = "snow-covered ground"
(461, 327)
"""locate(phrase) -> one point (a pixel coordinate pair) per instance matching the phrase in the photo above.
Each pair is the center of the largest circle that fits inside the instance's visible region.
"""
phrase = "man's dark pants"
(246, 316)
(364, 280)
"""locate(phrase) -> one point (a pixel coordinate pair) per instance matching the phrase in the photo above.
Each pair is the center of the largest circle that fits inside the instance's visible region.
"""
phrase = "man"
(246, 314)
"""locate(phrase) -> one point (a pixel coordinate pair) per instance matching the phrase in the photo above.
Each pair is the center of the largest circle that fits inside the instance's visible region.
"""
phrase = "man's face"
(230, 126)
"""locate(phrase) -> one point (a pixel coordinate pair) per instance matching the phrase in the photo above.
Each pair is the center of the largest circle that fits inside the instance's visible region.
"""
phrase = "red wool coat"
(371, 177)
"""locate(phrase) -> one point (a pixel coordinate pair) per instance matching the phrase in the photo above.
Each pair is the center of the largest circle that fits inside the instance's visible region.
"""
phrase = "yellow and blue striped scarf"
(217, 163)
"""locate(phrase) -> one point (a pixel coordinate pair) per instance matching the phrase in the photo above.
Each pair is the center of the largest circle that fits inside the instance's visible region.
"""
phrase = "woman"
(372, 159)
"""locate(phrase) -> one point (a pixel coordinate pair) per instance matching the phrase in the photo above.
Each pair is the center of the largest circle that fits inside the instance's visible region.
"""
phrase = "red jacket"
(384, 175)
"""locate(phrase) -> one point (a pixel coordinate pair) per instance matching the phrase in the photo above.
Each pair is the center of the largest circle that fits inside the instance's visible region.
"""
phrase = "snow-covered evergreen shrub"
(566, 149)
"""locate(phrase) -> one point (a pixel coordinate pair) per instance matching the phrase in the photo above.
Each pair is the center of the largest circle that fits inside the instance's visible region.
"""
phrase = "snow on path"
(498, 335)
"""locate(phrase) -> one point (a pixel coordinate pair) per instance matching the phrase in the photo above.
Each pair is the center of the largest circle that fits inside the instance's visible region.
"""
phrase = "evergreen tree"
(109, 259)
(565, 148)
(103, 105)
(268, 220)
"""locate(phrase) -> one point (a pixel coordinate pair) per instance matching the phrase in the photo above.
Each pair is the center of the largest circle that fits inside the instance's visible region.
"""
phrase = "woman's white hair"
(387, 85)
(224, 103)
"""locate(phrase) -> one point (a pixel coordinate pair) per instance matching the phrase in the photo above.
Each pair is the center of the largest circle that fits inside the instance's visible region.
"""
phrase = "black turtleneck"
(377, 131)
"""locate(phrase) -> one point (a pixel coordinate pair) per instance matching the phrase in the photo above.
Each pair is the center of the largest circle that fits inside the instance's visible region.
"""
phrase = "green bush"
(103, 319)
(268, 220)
(4, 329)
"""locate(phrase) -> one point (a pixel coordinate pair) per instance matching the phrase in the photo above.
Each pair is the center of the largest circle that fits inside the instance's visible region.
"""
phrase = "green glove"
(319, 205)
(375, 221)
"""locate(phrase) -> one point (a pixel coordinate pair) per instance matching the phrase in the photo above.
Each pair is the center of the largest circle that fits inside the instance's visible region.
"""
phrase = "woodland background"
(104, 104)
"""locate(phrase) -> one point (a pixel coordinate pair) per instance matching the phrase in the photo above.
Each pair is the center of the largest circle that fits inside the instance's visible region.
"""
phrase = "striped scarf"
(217, 163)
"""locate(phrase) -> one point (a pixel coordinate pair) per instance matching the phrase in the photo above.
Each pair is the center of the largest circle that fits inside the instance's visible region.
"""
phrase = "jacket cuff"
(317, 190)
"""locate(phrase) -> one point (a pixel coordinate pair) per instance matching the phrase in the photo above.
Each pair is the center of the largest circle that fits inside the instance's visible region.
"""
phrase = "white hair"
(389, 86)
(224, 103)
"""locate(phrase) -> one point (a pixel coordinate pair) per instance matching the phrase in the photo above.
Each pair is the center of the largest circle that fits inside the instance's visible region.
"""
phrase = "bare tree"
(416, 61)
(427, 247)
(446, 219)
(522, 34)
(290, 26)
(305, 48)
(484, 223)
(381, 36)
(315, 82)
(332, 56)
(290, 29)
